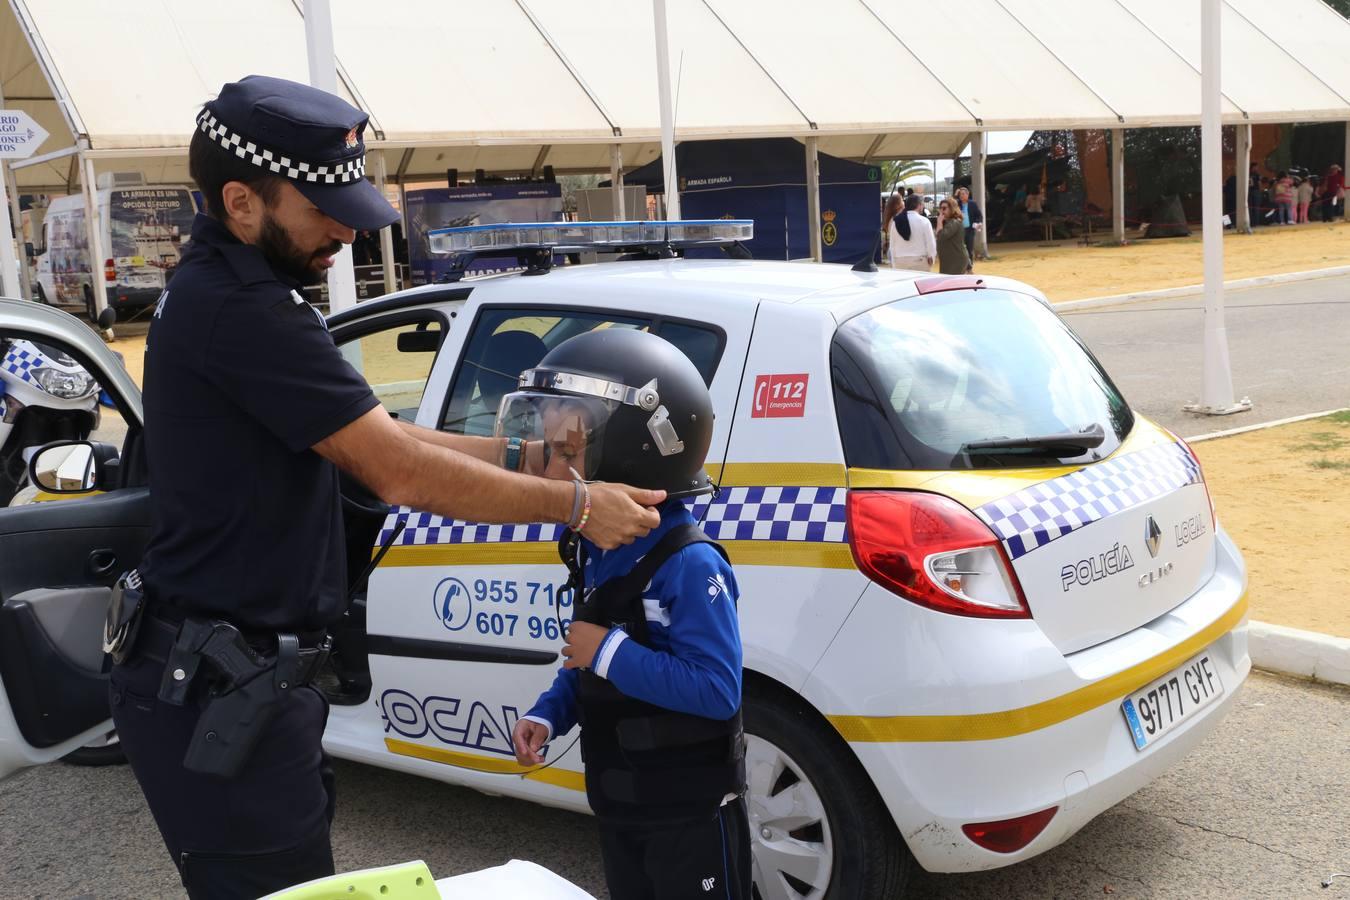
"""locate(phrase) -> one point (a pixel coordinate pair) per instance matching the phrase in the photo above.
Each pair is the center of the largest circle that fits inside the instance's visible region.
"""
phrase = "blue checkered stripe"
(738, 514)
(1034, 517)
(18, 362)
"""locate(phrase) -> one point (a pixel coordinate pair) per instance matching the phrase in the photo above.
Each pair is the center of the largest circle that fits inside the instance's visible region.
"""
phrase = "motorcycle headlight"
(64, 385)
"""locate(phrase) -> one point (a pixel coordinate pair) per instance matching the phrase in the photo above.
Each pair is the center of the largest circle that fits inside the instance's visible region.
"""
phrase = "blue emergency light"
(484, 240)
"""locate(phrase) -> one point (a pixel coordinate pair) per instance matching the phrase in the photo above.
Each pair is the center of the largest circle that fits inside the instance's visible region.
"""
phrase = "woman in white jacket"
(912, 244)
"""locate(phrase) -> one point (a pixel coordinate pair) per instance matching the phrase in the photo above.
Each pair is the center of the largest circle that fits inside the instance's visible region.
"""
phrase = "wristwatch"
(514, 446)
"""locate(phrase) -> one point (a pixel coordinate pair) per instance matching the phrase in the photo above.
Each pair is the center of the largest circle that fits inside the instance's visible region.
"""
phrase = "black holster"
(245, 689)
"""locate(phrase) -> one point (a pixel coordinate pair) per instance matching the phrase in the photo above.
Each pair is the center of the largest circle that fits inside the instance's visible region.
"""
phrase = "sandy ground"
(1284, 496)
(1067, 270)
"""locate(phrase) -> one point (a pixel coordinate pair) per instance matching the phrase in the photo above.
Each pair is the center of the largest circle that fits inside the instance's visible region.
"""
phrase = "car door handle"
(101, 562)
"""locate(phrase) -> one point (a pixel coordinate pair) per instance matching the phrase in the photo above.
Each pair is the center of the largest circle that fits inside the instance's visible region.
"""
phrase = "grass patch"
(1340, 418)
(1333, 465)
(1322, 441)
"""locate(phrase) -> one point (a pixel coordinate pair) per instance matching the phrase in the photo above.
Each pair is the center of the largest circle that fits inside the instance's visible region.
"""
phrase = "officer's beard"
(286, 257)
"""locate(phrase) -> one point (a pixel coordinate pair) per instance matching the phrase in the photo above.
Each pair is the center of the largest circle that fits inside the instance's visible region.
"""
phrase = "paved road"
(1260, 810)
(1289, 346)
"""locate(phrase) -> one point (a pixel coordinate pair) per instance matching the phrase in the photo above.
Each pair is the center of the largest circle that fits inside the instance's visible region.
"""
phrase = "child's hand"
(583, 639)
(528, 738)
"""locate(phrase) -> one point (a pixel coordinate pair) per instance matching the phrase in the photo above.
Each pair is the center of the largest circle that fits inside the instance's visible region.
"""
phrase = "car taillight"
(933, 551)
(1213, 514)
(1010, 835)
(109, 270)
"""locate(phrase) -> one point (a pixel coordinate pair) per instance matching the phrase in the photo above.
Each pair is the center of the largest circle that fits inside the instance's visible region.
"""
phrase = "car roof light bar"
(510, 237)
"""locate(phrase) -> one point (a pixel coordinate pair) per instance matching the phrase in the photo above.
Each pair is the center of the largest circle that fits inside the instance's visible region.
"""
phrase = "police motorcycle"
(45, 396)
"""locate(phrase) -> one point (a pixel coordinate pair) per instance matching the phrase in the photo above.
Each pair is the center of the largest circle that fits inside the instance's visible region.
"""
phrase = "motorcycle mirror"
(64, 467)
(107, 318)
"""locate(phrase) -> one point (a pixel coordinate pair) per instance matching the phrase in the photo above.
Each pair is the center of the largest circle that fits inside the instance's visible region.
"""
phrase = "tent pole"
(1242, 167)
(9, 263)
(95, 236)
(1216, 396)
(977, 190)
(387, 263)
(672, 186)
(9, 185)
(323, 75)
(616, 180)
(813, 197)
(1118, 185)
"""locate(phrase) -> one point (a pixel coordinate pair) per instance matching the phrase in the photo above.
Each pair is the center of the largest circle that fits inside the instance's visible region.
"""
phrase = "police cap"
(303, 134)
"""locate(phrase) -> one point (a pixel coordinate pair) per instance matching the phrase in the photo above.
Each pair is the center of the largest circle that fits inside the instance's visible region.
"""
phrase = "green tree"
(896, 171)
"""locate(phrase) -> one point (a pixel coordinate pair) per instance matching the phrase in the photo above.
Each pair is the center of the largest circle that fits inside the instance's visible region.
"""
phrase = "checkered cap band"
(279, 163)
(808, 514)
(19, 362)
(1045, 512)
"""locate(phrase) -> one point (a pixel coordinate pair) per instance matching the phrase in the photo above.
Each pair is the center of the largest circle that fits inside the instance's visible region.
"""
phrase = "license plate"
(1154, 710)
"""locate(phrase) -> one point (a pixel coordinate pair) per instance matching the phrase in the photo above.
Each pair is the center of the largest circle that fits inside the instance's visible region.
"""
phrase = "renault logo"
(1152, 537)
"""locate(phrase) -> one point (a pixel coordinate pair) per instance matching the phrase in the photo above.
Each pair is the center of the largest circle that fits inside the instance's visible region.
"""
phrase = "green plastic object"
(405, 881)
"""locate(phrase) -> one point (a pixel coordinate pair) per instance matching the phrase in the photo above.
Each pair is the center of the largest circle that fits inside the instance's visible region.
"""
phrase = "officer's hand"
(620, 514)
(528, 738)
(583, 639)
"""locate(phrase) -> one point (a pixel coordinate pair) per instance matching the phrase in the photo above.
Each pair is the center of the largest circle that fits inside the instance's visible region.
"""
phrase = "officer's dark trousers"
(264, 829)
(707, 860)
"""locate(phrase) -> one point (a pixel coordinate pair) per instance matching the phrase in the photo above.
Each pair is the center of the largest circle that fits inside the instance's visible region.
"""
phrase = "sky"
(999, 142)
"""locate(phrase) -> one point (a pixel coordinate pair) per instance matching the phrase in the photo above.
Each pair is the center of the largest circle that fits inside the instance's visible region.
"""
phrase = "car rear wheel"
(817, 827)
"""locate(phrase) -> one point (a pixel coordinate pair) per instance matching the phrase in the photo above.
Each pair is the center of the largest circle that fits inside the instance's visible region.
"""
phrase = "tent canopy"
(514, 85)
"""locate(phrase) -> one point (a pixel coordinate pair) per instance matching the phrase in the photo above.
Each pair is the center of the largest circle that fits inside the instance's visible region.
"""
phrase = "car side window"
(700, 343)
(506, 342)
(396, 361)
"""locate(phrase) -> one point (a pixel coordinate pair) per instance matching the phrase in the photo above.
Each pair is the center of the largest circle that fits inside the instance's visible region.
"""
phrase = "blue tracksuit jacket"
(694, 662)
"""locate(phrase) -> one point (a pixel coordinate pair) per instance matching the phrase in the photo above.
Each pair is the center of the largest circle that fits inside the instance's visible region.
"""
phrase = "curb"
(1306, 654)
(1191, 290)
(1260, 426)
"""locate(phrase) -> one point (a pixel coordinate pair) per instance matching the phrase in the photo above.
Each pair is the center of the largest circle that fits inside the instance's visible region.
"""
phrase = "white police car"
(982, 600)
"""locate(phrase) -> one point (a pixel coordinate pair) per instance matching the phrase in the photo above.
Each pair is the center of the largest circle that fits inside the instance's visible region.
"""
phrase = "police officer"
(250, 410)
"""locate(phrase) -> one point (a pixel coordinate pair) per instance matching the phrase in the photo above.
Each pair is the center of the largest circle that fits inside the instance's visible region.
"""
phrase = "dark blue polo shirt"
(241, 380)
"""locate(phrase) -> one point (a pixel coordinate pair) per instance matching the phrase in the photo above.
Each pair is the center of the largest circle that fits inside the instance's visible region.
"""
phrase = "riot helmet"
(616, 404)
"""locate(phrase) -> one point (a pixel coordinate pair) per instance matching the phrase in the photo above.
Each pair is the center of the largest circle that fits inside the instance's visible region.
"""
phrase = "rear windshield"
(919, 382)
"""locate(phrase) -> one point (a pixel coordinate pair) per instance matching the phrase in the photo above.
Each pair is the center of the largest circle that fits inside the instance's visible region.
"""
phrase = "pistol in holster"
(245, 689)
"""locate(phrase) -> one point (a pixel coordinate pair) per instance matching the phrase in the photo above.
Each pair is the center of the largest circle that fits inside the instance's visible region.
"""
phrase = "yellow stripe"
(754, 474)
(995, 725)
(811, 554)
(501, 553)
(564, 778)
(808, 554)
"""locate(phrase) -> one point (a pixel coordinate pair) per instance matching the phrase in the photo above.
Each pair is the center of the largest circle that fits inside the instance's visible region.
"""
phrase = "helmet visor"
(563, 432)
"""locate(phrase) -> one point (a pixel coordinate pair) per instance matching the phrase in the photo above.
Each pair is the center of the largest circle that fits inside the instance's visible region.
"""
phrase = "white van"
(144, 232)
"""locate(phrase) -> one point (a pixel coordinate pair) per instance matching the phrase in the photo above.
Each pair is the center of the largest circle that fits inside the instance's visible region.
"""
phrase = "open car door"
(59, 557)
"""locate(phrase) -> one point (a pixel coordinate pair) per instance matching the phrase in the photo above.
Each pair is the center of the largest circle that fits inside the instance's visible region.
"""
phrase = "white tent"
(513, 85)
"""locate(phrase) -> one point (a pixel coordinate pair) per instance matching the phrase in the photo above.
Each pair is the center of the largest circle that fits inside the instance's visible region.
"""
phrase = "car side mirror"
(419, 341)
(72, 467)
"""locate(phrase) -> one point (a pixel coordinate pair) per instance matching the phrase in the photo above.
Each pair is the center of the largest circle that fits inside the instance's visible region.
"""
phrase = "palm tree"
(895, 171)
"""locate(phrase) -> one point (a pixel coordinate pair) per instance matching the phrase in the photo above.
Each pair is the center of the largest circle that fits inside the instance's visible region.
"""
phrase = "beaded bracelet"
(586, 503)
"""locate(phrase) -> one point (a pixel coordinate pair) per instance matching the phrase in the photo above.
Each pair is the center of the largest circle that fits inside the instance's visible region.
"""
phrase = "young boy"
(652, 668)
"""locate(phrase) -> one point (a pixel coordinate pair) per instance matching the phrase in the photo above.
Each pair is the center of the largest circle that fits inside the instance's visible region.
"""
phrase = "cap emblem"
(350, 140)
